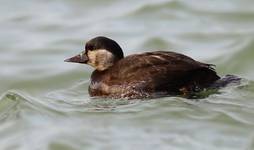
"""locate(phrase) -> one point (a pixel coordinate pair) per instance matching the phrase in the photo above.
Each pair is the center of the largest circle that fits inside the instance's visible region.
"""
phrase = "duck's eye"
(89, 47)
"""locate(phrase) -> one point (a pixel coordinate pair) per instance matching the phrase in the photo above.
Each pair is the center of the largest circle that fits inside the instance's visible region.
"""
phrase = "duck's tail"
(226, 80)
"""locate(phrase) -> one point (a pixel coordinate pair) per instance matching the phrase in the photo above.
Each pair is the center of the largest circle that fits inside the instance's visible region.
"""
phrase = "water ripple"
(50, 108)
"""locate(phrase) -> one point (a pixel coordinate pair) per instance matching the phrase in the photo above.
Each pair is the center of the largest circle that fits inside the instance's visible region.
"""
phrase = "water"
(44, 103)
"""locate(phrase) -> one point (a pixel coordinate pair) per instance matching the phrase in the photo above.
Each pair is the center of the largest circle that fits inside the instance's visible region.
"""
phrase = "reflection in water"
(44, 103)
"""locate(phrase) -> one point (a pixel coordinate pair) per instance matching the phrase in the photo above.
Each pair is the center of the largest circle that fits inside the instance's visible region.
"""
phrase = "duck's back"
(151, 73)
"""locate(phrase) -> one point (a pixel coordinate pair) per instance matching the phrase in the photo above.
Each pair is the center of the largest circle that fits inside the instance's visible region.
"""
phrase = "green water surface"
(44, 103)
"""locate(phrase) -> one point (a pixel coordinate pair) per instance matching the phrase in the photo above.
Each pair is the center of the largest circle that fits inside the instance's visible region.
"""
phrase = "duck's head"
(100, 53)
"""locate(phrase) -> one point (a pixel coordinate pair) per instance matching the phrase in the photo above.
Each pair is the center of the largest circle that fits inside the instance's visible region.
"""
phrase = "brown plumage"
(152, 74)
(144, 75)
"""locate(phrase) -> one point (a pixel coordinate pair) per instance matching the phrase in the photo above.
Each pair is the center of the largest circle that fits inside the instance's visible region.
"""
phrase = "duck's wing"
(160, 62)
(162, 69)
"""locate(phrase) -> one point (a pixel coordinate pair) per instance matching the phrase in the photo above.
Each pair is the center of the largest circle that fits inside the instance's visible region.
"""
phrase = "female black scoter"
(145, 75)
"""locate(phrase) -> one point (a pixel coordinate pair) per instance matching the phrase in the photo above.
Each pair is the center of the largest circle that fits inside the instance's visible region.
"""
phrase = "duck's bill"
(81, 58)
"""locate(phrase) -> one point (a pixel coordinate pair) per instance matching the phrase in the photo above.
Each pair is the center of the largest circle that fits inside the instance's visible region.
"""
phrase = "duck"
(143, 75)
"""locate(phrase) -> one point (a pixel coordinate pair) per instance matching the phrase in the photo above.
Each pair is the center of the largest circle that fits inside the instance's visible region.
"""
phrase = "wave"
(17, 104)
(147, 8)
(12, 103)
(174, 9)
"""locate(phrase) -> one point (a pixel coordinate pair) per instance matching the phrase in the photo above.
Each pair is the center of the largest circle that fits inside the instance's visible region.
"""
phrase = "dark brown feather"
(143, 75)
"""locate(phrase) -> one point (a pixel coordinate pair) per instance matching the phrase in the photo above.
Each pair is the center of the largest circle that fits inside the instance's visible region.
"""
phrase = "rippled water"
(44, 103)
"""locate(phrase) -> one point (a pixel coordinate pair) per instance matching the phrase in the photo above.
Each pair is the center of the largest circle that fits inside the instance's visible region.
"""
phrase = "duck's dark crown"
(102, 42)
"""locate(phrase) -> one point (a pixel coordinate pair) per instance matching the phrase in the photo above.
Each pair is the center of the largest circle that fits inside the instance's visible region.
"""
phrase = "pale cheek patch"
(92, 58)
(100, 59)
